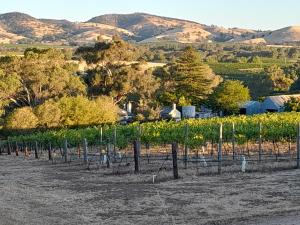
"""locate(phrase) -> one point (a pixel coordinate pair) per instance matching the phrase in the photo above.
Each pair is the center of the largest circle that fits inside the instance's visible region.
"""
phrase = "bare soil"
(39, 192)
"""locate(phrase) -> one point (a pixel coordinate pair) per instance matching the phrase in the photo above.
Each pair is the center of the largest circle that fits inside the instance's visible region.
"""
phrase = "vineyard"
(208, 145)
(251, 74)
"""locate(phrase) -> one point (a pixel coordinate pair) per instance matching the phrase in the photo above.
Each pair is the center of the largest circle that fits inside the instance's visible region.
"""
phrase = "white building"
(171, 113)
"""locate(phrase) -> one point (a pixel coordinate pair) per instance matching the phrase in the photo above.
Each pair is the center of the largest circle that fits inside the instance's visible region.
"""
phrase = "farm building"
(171, 113)
(125, 115)
(188, 112)
(251, 108)
(276, 103)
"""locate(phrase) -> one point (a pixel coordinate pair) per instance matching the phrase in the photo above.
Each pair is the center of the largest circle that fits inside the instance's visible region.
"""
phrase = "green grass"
(250, 74)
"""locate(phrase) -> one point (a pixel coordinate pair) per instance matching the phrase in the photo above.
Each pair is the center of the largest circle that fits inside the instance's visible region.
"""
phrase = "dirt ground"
(38, 192)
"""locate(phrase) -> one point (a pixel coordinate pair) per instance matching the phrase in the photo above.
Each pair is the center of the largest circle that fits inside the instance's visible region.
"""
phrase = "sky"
(254, 14)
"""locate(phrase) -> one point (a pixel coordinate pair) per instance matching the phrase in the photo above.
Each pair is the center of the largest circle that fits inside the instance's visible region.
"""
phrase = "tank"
(188, 112)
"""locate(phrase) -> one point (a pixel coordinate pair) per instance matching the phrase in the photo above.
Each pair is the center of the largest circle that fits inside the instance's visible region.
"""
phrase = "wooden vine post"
(186, 146)
(220, 149)
(101, 142)
(36, 150)
(174, 159)
(115, 143)
(17, 149)
(298, 146)
(233, 141)
(50, 151)
(66, 150)
(85, 151)
(8, 148)
(136, 151)
(260, 143)
(108, 154)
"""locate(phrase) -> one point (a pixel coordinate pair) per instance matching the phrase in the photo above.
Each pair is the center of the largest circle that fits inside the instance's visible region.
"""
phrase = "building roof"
(249, 104)
(166, 110)
(280, 100)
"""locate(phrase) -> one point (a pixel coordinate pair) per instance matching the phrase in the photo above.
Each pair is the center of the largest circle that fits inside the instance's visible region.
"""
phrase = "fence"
(226, 155)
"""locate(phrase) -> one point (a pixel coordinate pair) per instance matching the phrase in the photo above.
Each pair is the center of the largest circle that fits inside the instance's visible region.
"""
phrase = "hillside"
(287, 34)
(140, 27)
(27, 26)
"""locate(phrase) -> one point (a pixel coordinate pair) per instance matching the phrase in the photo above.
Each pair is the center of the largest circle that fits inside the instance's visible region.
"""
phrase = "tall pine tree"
(194, 80)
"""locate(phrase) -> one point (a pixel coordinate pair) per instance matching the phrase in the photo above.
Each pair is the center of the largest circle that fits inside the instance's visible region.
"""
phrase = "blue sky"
(256, 14)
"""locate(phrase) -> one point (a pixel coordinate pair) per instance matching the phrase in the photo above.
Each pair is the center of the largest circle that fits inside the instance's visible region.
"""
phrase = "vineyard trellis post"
(220, 149)
(8, 148)
(66, 150)
(85, 151)
(101, 135)
(148, 152)
(260, 143)
(115, 143)
(17, 149)
(137, 150)
(174, 159)
(101, 141)
(36, 150)
(298, 146)
(108, 153)
(233, 141)
(136, 153)
(50, 151)
(186, 133)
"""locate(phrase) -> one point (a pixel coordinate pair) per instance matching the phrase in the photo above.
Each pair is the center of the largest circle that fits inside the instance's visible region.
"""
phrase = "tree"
(194, 80)
(255, 59)
(41, 75)
(166, 92)
(106, 53)
(159, 56)
(48, 114)
(78, 111)
(104, 111)
(183, 102)
(10, 85)
(229, 96)
(144, 94)
(293, 105)
(293, 53)
(279, 81)
(22, 118)
(126, 83)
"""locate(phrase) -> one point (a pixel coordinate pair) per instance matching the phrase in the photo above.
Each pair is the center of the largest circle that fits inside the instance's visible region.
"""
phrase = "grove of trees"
(43, 88)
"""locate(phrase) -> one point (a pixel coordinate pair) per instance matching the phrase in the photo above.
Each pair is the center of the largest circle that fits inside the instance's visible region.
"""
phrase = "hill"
(140, 27)
(27, 26)
(284, 35)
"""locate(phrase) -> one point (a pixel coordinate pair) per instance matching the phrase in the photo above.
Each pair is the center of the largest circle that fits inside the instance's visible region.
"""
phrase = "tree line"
(43, 88)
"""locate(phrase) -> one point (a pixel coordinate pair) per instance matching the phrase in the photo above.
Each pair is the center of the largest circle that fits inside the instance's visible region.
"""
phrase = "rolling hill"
(18, 27)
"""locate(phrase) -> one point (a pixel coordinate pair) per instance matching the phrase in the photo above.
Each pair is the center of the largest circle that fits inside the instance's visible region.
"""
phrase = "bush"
(22, 118)
(49, 114)
(229, 96)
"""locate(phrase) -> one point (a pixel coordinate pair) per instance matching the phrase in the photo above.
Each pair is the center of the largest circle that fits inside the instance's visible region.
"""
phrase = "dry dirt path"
(37, 192)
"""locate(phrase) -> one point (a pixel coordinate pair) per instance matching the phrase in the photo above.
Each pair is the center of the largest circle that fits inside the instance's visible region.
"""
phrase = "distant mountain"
(287, 34)
(140, 27)
(27, 26)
